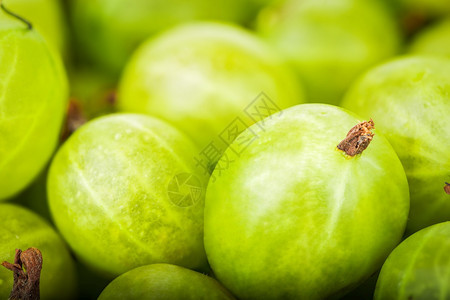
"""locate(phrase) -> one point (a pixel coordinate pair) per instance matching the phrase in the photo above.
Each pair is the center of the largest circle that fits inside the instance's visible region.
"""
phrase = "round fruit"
(123, 192)
(33, 92)
(109, 30)
(418, 268)
(409, 99)
(163, 281)
(293, 217)
(46, 16)
(200, 77)
(330, 42)
(22, 229)
(434, 40)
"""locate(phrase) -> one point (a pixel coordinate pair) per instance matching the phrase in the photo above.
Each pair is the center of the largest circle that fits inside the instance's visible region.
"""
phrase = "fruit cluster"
(239, 149)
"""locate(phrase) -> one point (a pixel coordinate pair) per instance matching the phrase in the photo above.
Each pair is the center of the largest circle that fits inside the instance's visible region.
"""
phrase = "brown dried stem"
(357, 139)
(27, 268)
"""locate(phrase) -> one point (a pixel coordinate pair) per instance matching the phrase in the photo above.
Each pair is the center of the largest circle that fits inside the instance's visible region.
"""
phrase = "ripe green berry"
(108, 31)
(330, 42)
(33, 94)
(409, 100)
(200, 77)
(433, 40)
(123, 191)
(293, 217)
(418, 268)
(164, 282)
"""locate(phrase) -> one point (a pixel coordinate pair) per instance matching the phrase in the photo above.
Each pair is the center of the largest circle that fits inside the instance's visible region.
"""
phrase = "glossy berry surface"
(434, 40)
(201, 77)
(123, 192)
(418, 267)
(33, 95)
(409, 99)
(108, 31)
(164, 282)
(330, 42)
(293, 217)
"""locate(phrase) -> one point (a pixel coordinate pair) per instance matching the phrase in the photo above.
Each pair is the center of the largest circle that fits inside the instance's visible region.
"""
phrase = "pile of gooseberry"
(294, 149)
